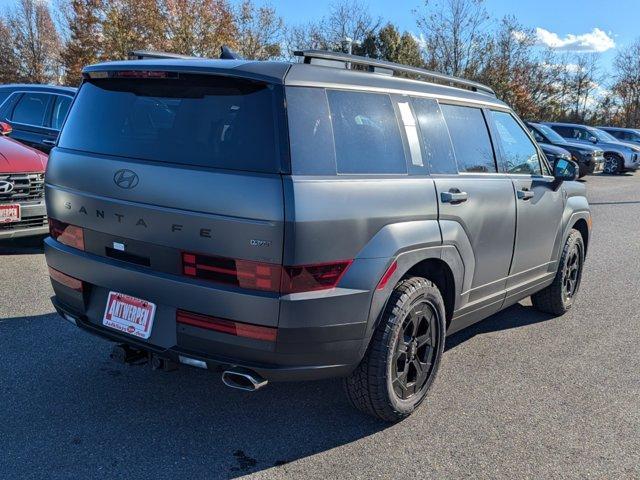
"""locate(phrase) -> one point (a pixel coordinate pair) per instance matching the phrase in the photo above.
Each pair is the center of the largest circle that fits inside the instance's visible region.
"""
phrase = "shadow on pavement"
(74, 413)
(22, 246)
(513, 317)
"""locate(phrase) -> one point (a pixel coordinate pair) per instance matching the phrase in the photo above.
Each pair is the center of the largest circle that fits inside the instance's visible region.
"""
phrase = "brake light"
(66, 233)
(264, 276)
(307, 278)
(142, 74)
(66, 280)
(242, 273)
(230, 327)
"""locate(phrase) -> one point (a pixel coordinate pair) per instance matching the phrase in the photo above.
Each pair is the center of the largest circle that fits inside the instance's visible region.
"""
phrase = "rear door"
(28, 118)
(179, 175)
(476, 205)
(539, 203)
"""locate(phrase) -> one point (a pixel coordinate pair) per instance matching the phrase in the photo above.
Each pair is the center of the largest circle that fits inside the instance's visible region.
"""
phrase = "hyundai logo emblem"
(6, 187)
(126, 178)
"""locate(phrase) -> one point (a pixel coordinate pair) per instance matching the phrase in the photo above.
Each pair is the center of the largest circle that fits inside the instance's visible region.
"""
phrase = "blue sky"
(618, 21)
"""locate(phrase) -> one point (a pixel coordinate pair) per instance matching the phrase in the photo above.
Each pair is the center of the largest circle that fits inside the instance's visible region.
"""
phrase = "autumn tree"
(36, 42)
(132, 25)
(85, 43)
(260, 31)
(199, 27)
(8, 59)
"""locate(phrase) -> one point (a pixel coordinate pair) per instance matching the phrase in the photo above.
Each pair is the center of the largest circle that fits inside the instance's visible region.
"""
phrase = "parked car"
(22, 208)
(618, 157)
(630, 135)
(589, 158)
(35, 112)
(342, 233)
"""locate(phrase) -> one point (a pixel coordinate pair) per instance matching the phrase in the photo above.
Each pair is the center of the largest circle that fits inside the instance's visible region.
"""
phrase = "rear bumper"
(320, 334)
(33, 222)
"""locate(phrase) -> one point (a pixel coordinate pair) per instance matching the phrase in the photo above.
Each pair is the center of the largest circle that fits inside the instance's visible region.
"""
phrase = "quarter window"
(366, 133)
(31, 109)
(520, 154)
(470, 139)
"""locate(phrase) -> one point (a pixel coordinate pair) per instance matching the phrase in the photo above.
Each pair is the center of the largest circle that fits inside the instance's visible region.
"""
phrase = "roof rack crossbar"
(395, 67)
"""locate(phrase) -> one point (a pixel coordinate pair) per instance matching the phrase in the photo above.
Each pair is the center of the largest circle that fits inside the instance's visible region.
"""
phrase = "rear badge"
(118, 246)
(260, 243)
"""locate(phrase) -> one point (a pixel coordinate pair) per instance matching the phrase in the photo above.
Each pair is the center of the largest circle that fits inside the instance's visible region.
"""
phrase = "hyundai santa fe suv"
(296, 221)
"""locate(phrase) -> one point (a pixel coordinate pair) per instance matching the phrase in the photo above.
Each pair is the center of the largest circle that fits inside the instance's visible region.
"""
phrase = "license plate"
(9, 213)
(129, 314)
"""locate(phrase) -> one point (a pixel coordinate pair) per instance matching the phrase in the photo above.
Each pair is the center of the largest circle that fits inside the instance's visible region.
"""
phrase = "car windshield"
(608, 136)
(602, 136)
(551, 134)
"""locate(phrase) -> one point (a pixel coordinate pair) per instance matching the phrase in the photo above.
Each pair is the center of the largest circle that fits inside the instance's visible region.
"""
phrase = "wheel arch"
(440, 273)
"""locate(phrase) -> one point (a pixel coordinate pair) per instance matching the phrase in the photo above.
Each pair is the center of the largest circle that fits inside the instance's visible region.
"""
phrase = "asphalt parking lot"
(520, 395)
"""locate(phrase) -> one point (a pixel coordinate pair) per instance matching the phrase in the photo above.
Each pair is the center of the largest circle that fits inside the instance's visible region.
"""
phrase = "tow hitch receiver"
(125, 354)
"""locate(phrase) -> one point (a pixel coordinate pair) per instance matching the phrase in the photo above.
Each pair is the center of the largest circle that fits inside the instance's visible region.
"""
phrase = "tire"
(411, 334)
(613, 164)
(558, 297)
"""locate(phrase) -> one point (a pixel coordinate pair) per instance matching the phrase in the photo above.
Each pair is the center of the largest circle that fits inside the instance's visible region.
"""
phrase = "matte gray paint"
(373, 220)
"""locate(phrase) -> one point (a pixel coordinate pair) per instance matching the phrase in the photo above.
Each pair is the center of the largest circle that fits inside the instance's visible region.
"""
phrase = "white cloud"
(595, 41)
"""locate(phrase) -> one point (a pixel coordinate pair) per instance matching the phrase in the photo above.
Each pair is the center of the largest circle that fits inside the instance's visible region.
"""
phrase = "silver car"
(619, 157)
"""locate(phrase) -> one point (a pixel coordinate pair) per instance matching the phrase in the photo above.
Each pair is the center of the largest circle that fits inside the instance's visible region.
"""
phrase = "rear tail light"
(307, 278)
(67, 234)
(238, 329)
(264, 276)
(66, 280)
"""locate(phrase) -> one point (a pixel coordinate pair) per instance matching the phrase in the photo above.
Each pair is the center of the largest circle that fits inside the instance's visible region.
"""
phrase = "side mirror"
(593, 139)
(5, 129)
(565, 170)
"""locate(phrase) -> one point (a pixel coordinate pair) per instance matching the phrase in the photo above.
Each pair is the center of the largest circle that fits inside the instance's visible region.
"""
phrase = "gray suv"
(296, 221)
(619, 157)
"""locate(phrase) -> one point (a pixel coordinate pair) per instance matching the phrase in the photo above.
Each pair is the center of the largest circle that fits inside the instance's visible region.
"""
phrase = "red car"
(22, 208)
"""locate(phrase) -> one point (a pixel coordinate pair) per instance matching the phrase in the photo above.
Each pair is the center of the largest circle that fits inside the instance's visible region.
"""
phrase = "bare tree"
(199, 27)
(626, 86)
(36, 42)
(455, 35)
(348, 22)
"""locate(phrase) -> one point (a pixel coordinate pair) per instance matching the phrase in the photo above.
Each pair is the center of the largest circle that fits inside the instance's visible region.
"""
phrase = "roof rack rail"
(147, 54)
(381, 66)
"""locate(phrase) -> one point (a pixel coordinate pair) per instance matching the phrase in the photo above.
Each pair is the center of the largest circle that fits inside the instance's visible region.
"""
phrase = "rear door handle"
(49, 142)
(454, 196)
(526, 194)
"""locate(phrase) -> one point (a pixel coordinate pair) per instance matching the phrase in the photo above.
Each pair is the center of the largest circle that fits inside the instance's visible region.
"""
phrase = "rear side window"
(31, 109)
(366, 133)
(435, 137)
(310, 132)
(470, 139)
(199, 120)
(520, 155)
(60, 110)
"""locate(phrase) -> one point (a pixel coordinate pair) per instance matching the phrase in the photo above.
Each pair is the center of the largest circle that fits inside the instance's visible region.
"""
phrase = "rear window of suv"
(193, 120)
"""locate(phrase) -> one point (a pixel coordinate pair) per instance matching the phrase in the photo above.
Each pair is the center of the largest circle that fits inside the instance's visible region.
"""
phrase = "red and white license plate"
(129, 314)
(9, 213)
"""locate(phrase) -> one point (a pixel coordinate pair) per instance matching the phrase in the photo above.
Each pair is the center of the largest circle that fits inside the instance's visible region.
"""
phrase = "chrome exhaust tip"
(243, 380)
